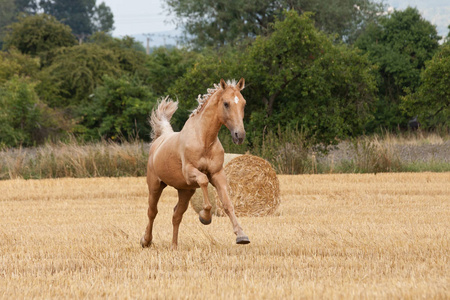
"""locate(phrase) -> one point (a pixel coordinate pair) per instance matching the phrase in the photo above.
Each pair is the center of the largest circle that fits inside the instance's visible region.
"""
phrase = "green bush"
(399, 44)
(38, 35)
(118, 109)
(13, 63)
(431, 102)
(24, 119)
(74, 74)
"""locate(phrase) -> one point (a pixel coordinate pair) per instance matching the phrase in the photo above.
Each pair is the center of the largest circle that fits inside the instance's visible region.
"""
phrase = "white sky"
(134, 17)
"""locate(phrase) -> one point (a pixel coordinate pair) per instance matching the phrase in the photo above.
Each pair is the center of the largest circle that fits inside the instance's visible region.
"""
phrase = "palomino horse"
(193, 157)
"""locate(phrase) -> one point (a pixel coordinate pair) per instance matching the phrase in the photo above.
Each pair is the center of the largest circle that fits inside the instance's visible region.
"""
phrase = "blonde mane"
(202, 99)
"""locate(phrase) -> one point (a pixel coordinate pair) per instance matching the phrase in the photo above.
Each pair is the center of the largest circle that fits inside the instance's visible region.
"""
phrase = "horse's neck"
(206, 125)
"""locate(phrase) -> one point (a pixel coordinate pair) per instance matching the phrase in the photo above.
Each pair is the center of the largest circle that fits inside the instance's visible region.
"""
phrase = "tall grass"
(74, 159)
(287, 150)
(290, 152)
(373, 156)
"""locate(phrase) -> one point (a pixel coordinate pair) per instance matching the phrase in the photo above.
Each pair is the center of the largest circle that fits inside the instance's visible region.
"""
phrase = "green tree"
(14, 63)
(399, 44)
(223, 22)
(83, 16)
(7, 13)
(74, 74)
(10, 9)
(294, 76)
(38, 35)
(165, 66)
(301, 78)
(431, 101)
(119, 108)
(24, 119)
(103, 18)
(27, 6)
(283, 57)
(130, 60)
(447, 38)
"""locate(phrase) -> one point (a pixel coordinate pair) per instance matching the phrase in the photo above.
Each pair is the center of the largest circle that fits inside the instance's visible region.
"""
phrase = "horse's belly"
(172, 176)
(167, 166)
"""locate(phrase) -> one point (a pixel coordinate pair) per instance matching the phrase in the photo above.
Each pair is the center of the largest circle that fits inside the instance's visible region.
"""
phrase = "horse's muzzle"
(238, 137)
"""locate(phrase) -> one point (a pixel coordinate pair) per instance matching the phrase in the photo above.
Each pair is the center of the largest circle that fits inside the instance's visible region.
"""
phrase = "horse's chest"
(209, 166)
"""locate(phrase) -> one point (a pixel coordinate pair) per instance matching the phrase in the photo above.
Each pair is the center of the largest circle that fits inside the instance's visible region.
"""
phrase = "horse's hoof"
(203, 221)
(242, 240)
(144, 244)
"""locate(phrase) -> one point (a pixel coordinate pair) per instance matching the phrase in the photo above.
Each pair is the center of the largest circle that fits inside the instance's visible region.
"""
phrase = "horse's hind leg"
(219, 181)
(155, 188)
(183, 202)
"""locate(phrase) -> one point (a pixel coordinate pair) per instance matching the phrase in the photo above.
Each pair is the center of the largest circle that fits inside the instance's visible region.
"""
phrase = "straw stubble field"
(334, 236)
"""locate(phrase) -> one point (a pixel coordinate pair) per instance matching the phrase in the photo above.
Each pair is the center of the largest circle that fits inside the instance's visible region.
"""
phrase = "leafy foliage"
(83, 16)
(119, 109)
(304, 79)
(24, 119)
(38, 35)
(296, 77)
(284, 56)
(165, 66)
(130, 60)
(399, 44)
(227, 22)
(7, 10)
(27, 6)
(431, 102)
(14, 63)
(300, 80)
(103, 19)
(75, 72)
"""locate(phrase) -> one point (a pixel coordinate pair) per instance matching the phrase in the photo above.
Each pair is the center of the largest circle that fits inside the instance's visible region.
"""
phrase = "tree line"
(332, 70)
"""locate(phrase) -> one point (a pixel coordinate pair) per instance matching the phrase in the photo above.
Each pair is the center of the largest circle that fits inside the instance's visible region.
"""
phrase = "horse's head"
(231, 109)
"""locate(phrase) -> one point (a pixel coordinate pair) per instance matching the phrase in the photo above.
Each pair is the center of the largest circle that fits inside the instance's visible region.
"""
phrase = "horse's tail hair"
(160, 117)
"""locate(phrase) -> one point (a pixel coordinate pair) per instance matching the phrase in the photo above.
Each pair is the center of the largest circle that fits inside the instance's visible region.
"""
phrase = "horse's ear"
(241, 84)
(223, 84)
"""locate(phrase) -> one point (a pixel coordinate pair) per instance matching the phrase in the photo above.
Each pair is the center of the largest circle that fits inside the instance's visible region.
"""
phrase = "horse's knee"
(202, 180)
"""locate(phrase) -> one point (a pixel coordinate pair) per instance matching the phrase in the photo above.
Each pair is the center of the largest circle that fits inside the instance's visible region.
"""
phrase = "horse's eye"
(226, 104)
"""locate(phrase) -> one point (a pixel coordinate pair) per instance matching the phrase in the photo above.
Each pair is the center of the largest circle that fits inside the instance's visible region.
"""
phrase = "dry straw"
(253, 187)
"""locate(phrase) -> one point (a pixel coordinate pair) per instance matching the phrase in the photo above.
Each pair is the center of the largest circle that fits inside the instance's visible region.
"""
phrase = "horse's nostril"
(236, 134)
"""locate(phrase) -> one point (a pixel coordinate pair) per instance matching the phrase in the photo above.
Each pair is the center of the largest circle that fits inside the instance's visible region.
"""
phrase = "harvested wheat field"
(333, 236)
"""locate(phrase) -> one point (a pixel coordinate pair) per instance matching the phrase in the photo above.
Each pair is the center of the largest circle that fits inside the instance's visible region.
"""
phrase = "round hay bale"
(253, 188)
(229, 157)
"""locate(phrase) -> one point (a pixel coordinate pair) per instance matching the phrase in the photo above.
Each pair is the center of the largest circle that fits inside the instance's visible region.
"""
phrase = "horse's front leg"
(183, 202)
(219, 181)
(192, 176)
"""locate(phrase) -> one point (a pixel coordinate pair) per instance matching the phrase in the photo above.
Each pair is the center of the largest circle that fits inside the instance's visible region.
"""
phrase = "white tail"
(160, 117)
